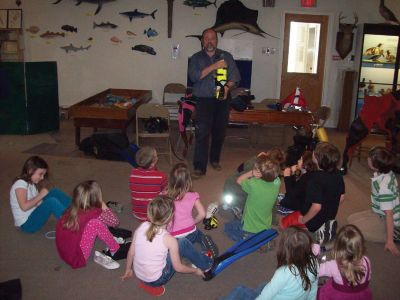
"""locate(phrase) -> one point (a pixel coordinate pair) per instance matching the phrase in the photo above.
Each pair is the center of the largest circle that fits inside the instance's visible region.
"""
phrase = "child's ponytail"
(348, 251)
(160, 211)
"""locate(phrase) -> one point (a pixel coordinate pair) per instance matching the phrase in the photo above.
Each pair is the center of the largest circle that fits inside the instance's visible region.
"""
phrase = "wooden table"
(262, 115)
(94, 112)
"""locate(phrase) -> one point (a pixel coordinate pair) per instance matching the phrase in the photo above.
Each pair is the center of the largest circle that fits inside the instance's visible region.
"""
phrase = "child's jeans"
(197, 237)
(187, 251)
(55, 202)
(244, 293)
(234, 230)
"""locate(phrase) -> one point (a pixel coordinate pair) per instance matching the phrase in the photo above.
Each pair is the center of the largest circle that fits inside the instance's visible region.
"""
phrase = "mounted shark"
(99, 3)
(137, 14)
(199, 3)
(71, 47)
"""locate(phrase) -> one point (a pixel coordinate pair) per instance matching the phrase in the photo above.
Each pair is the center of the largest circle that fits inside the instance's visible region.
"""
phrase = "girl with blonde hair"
(78, 228)
(350, 271)
(155, 255)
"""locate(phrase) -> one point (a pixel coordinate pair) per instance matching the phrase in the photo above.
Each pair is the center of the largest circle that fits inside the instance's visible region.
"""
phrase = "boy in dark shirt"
(324, 192)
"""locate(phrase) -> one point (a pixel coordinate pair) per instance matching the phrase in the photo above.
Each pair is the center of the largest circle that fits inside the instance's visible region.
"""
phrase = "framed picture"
(14, 18)
(3, 18)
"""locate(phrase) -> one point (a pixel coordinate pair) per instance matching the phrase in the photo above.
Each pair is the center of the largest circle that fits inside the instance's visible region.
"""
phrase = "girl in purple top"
(350, 271)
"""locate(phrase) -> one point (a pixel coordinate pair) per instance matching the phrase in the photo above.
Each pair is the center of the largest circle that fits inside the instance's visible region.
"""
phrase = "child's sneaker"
(284, 211)
(237, 212)
(210, 223)
(152, 290)
(212, 249)
(211, 210)
(105, 261)
(119, 240)
(326, 232)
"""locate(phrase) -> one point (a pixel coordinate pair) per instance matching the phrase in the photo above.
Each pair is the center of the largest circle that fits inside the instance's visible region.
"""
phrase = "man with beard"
(212, 113)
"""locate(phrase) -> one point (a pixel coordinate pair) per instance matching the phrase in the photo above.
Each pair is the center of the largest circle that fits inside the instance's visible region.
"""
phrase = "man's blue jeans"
(55, 202)
(187, 251)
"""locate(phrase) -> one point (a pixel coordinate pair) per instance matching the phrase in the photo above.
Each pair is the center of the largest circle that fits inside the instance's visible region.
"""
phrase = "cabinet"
(379, 55)
(29, 97)
(11, 45)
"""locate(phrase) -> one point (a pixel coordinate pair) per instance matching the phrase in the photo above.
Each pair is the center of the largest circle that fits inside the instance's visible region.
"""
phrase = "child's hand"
(127, 274)
(261, 153)
(43, 192)
(293, 169)
(390, 246)
(287, 172)
(256, 173)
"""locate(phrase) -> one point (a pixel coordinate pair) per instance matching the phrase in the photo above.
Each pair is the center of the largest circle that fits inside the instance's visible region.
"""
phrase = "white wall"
(106, 65)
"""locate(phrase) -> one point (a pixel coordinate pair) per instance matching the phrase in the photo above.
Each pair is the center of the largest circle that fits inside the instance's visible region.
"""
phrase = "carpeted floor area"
(33, 257)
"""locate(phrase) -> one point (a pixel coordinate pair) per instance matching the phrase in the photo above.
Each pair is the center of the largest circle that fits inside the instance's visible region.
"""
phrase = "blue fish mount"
(135, 14)
(98, 2)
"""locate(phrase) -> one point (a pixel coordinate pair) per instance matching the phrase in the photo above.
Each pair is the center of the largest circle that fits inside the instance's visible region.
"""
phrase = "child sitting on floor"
(350, 270)
(262, 187)
(145, 181)
(86, 219)
(155, 255)
(180, 188)
(296, 273)
(31, 200)
(296, 178)
(234, 190)
(382, 223)
(324, 192)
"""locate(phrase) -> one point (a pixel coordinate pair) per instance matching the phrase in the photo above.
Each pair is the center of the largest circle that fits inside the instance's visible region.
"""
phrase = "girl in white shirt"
(31, 201)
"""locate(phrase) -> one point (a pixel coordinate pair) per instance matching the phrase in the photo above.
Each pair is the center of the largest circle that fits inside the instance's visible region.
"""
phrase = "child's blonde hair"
(146, 156)
(268, 168)
(160, 212)
(86, 195)
(295, 250)
(179, 181)
(348, 251)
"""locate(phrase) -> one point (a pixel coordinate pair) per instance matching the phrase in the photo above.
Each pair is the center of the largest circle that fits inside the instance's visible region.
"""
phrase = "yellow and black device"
(220, 81)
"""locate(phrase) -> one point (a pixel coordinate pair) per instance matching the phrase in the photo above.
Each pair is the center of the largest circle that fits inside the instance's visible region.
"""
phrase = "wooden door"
(311, 84)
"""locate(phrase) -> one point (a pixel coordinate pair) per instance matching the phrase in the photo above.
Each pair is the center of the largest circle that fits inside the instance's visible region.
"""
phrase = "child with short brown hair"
(324, 192)
(382, 224)
(262, 187)
(145, 181)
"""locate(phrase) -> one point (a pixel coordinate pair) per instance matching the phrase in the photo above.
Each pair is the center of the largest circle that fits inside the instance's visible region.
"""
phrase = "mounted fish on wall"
(145, 49)
(199, 3)
(233, 15)
(98, 2)
(72, 48)
(135, 14)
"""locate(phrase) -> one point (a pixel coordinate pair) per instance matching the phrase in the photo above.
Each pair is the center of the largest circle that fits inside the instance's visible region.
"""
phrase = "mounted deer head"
(345, 27)
(344, 38)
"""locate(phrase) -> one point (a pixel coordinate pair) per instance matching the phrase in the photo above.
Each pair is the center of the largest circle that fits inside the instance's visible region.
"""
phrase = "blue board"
(240, 250)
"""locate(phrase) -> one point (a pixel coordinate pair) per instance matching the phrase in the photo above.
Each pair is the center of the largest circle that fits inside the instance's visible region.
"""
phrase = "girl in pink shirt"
(350, 271)
(183, 224)
(85, 220)
(155, 255)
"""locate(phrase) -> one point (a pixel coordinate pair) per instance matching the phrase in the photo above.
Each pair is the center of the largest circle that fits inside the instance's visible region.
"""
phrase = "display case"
(379, 54)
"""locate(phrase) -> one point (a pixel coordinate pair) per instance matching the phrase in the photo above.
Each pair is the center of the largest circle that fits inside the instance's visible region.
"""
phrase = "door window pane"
(303, 47)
